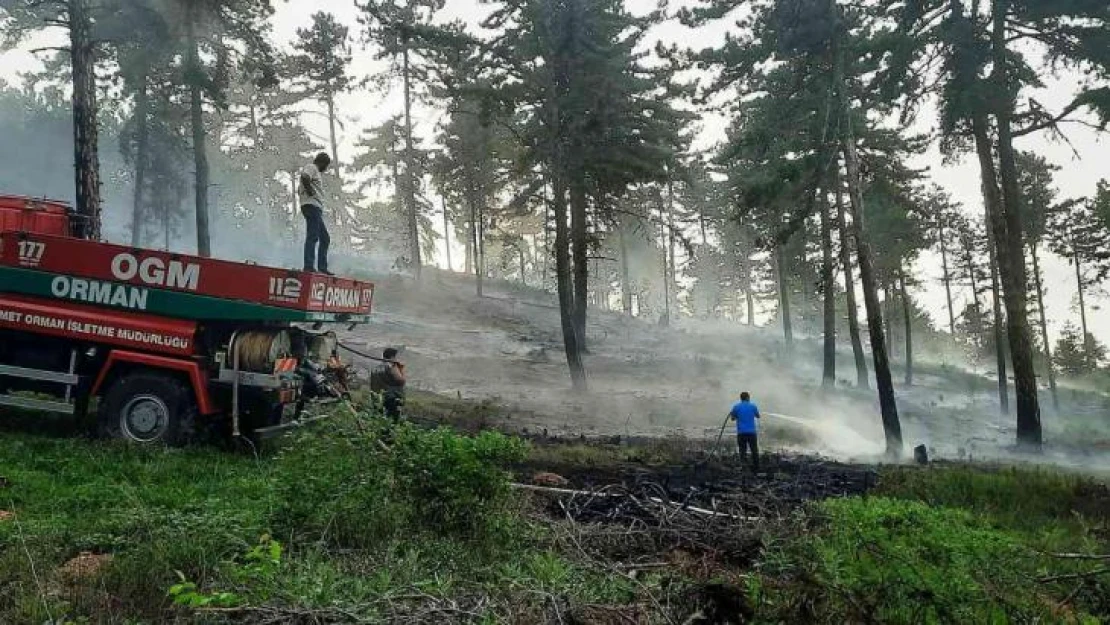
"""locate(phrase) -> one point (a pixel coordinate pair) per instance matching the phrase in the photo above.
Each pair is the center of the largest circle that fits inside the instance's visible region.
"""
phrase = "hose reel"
(260, 349)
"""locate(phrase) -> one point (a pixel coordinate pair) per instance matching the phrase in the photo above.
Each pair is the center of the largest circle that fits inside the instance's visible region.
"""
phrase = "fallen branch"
(655, 500)
(1080, 556)
(1070, 576)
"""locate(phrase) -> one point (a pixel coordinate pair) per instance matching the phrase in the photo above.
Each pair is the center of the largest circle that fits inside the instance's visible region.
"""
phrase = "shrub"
(453, 483)
(349, 488)
(891, 561)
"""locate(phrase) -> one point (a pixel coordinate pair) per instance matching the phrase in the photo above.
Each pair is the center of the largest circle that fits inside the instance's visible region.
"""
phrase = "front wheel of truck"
(149, 409)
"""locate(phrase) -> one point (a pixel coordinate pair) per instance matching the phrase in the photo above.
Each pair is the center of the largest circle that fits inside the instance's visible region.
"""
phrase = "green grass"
(946, 545)
(332, 524)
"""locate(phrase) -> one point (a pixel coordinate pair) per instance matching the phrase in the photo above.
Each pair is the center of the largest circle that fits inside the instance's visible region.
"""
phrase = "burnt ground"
(641, 511)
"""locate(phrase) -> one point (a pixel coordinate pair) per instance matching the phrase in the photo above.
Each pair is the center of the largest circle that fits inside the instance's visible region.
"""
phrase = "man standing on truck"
(388, 378)
(311, 196)
(745, 414)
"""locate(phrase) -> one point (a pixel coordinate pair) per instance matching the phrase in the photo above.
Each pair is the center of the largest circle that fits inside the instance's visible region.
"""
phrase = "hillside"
(647, 380)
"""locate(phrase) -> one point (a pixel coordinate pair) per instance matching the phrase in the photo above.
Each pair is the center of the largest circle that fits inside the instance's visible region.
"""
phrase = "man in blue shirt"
(745, 414)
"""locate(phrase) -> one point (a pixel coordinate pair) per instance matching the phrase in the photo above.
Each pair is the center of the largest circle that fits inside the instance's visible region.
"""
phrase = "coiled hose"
(260, 349)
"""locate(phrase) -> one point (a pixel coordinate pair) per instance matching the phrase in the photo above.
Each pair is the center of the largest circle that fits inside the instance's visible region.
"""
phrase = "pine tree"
(405, 32)
(986, 102)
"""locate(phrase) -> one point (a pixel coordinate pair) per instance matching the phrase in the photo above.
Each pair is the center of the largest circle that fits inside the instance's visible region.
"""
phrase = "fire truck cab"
(165, 346)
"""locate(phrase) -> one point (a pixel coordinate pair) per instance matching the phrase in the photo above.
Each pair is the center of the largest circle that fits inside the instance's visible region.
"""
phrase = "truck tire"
(149, 409)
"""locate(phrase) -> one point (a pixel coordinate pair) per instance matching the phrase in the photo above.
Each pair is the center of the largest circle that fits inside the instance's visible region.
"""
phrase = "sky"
(1084, 159)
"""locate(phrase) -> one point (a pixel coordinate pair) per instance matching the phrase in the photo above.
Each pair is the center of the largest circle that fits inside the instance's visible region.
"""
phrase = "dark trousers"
(316, 240)
(392, 405)
(746, 442)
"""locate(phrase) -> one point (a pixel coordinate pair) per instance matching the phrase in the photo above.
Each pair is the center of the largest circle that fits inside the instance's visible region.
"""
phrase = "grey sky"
(1084, 161)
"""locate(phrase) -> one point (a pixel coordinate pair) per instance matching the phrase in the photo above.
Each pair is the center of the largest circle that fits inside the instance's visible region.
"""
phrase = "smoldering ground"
(646, 380)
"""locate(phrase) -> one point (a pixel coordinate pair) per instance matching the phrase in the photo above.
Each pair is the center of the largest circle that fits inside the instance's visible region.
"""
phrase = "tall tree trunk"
(908, 318)
(749, 299)
(1049, 368)
(566, 287)
(200, 147)
(626, 282)
(339, 209)
(672, 281)
(993, 204)
(666, 280)
(476, 243)
(1012, 252)
(888, 314)
(546, 239)
(784, 295)
(969, 260)
(329, 101)
(468, 251)
(828, 279)
(892, 426)
(1077, 261)
(446, 234)
(522, 260)
(142, 114)
(947, 278)
(410, 171)
(862, 376)
(580, 253)
(86, 131)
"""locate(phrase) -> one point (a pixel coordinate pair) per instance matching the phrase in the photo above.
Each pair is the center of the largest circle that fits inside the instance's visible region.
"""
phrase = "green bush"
(885, 560)
(346, 485)
(453, 483)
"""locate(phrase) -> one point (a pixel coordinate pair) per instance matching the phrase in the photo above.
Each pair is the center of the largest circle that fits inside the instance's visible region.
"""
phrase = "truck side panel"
(86, 324)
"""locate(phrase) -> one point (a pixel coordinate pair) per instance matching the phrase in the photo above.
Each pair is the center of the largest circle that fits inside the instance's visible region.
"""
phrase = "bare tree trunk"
(410, 171)
(1049, 368)
(1078, 262)
(468, 251)
(828, 375)
(862, 376)
(476, 243)
(1012, 253)
(566, 287)
(888, 313)
(86, 130)
(892, 426)
(784, 295)
(142, 114)
(672, 281)
(200, 147)
(339, 209)
(969, 260)
(580, 253)
(446, 233)
(908, 320)
(947, 277)
(522, 260)
(749, 298)
(992, 202)
(666, 280)
(626, 283)
(546, 240)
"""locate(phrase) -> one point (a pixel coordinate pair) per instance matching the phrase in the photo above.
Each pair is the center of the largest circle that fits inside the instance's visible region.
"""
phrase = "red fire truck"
(166, 346)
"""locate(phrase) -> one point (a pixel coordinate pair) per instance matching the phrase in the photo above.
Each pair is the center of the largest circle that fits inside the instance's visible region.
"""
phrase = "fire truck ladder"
(69, 379)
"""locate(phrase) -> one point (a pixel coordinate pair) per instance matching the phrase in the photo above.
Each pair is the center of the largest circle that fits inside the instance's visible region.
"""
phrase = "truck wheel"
(149, 408)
